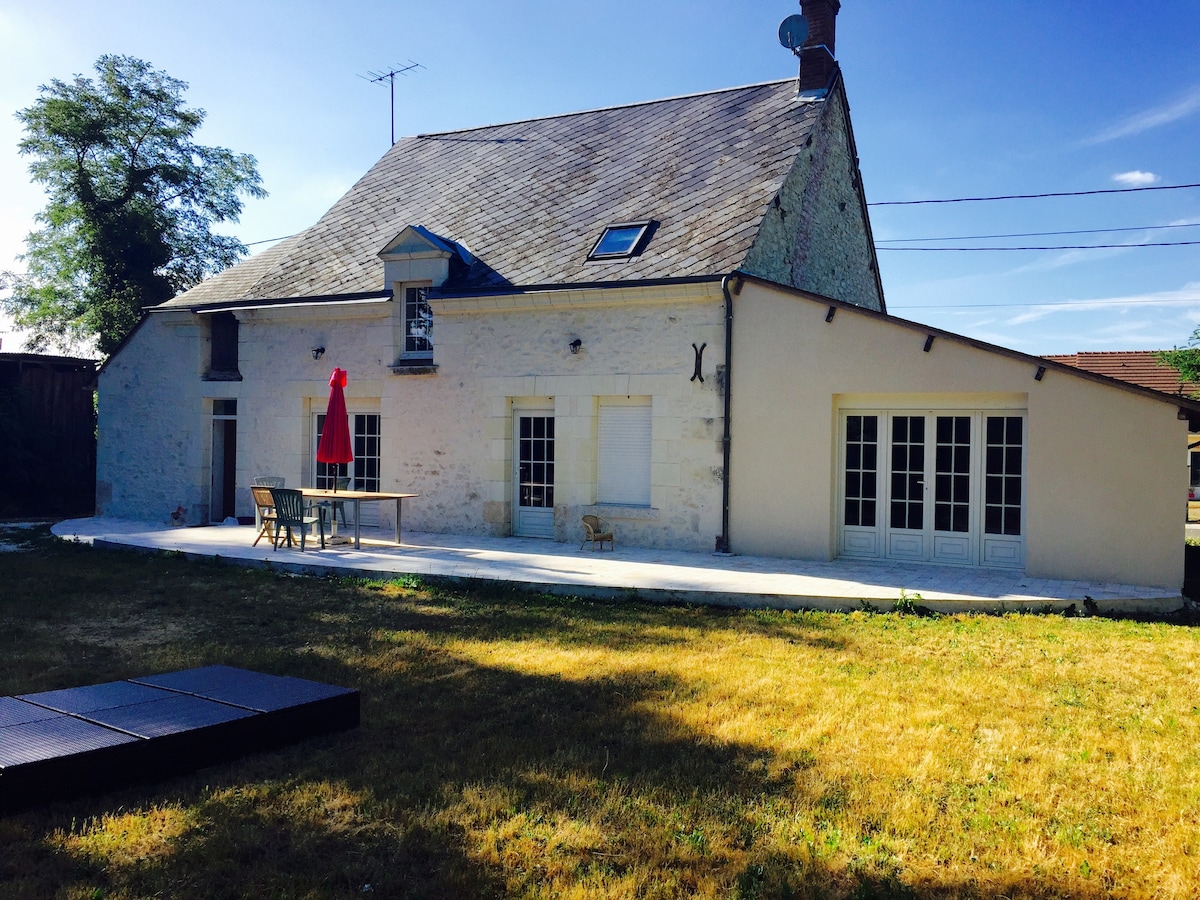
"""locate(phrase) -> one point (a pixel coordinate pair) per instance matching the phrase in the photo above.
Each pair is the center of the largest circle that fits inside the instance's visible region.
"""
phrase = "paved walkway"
(657, 575)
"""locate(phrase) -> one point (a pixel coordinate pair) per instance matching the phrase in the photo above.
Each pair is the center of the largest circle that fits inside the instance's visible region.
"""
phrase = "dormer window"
(620, 241)
(418, 323)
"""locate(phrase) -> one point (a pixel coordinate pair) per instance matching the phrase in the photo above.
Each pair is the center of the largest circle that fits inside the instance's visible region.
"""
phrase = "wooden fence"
(47, 435)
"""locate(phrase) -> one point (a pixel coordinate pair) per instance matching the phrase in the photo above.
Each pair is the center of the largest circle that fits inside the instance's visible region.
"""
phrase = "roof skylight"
(619, 241)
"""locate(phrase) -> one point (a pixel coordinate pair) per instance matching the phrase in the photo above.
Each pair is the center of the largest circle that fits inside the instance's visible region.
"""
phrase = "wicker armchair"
(597, 531)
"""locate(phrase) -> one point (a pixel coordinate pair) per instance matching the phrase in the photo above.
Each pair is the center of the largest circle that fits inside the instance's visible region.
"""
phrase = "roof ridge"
(616, 106)
(1115, 352)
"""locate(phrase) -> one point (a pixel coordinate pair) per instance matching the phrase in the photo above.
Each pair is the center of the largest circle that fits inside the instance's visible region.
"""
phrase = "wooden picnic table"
(357, 498)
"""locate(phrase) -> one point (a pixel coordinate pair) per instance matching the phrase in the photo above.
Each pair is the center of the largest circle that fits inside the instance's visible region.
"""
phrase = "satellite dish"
(793, 31)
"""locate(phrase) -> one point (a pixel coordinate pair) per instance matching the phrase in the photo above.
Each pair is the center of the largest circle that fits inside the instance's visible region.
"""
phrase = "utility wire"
(988, 237)
(270, 240)
(1157, 187)
(976, 237)
(1059, 247)
(1050, 303)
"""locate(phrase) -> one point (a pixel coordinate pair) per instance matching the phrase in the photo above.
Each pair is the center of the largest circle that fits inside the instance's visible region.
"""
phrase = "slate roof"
(1134, 366)
(529, 199)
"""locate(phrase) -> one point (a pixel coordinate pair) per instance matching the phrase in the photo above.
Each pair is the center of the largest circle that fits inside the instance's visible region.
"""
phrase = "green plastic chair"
(290, 513)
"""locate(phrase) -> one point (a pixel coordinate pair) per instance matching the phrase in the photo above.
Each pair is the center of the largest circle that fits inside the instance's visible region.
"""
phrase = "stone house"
(668, 313)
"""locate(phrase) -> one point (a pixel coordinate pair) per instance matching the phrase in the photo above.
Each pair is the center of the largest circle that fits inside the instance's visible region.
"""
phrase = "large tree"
(132, 200)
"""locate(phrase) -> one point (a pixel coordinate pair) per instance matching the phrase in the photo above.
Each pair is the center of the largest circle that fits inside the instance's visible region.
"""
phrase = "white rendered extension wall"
(1103, 474)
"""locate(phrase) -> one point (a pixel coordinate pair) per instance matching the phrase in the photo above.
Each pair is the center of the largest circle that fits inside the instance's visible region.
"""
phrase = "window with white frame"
(418, 324)
(623, 452)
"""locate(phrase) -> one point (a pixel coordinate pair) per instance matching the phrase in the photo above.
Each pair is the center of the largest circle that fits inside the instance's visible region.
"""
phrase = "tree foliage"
(1184, 360)
(131, 203)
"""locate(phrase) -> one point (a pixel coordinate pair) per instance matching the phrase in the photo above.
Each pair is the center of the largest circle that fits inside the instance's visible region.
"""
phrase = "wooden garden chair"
(264, 513)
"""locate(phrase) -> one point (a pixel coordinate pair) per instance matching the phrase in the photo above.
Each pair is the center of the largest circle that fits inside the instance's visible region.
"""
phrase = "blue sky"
(949, 98)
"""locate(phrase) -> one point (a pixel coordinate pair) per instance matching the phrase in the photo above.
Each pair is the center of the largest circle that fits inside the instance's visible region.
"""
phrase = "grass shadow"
(465, 779)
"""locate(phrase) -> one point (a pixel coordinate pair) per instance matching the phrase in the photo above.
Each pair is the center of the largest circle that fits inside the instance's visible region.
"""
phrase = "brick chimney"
(817, 62)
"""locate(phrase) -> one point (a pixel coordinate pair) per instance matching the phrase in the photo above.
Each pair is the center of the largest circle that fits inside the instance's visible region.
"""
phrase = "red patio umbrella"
(335, 446)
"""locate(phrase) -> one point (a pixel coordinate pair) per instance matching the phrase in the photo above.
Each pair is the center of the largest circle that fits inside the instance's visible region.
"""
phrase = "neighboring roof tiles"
(529, 199)
(1134, 366)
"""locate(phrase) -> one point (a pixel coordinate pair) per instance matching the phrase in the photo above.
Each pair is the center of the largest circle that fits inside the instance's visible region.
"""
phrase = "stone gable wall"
(815, 235)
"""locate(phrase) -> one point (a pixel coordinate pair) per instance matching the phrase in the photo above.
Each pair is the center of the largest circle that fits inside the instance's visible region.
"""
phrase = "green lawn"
(528, 746)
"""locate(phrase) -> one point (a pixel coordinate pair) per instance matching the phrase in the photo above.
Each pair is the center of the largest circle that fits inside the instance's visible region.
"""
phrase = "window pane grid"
(952, 478)
(861, 470)
(418, 321)
(535, 462)
(908, 472)
(1002, 475)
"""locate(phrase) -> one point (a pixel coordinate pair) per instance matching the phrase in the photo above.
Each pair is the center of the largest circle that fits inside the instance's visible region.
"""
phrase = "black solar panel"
(34, 742)
(88, 738)
(204, 678)
(176, 714)
(15, 712)
(95, 696)
(253, 690)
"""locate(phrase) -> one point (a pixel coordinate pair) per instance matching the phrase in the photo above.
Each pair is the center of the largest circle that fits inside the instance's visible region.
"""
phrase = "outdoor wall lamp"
(318, 352)
(575, 345)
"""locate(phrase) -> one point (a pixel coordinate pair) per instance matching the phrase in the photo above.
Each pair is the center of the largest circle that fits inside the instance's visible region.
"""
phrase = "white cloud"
(1177, 109)
(1136, 178)
(1186, 297)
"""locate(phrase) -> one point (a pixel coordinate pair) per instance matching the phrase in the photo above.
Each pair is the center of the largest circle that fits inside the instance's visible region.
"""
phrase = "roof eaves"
(572, 286)
(1184, 403)
(273, 302)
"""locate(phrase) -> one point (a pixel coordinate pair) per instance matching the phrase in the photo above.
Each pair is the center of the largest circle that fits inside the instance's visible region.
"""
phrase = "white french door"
(939, 486)
(533, 473)
(363, 472)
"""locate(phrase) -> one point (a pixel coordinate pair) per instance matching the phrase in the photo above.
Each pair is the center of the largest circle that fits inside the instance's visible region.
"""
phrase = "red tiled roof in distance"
(1134, 366)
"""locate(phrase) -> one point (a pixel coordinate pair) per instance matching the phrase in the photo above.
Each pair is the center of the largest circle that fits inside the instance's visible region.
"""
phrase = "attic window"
(619, 241)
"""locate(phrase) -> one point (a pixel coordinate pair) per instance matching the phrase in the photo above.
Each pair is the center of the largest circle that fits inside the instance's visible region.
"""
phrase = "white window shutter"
(623, 455)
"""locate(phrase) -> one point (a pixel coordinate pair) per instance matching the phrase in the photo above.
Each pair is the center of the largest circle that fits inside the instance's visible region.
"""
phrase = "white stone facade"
(447, 436)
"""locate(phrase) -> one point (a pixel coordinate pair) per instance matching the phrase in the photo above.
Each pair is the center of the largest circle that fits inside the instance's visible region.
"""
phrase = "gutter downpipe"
(727, 435)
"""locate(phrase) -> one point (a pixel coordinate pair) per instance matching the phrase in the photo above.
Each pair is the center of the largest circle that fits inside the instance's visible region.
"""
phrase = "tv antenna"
(390, 77)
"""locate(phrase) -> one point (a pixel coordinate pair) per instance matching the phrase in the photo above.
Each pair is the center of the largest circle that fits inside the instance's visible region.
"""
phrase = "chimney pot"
(817, 62)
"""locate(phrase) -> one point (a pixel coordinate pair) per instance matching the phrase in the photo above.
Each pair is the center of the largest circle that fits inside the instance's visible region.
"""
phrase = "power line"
(1059, 247)
(988, 237)
(269, 240)
(1157, 187)
(1051, 303)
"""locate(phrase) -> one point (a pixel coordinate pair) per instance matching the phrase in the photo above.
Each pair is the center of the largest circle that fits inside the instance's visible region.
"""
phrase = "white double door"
(938, 486)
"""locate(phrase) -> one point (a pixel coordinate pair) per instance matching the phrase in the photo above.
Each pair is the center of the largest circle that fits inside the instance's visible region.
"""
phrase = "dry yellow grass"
(531, 747)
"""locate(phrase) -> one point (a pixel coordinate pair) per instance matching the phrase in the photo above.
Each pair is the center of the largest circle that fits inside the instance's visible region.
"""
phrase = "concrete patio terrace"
(665, 576)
